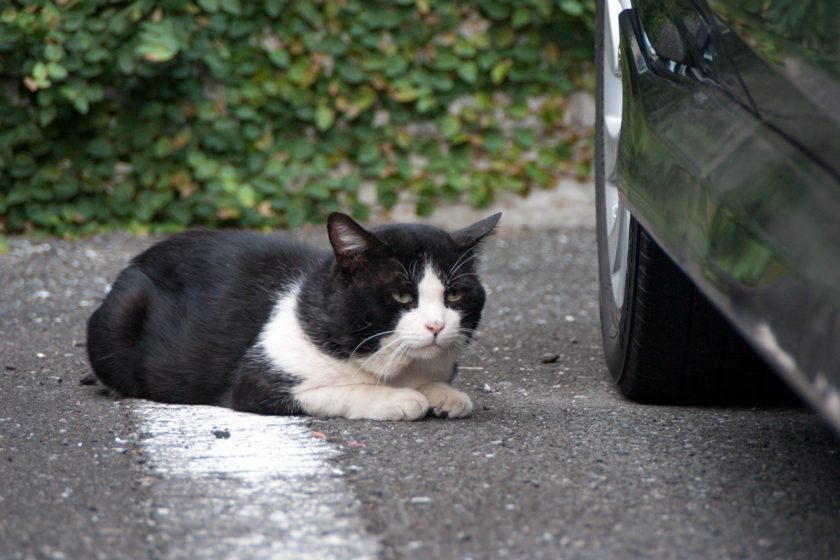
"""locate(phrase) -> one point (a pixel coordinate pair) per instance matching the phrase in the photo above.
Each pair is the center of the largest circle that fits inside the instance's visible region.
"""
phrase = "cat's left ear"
(350, 241)
(470, 236)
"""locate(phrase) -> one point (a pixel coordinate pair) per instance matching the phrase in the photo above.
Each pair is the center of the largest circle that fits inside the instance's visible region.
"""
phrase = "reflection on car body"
(728, 161)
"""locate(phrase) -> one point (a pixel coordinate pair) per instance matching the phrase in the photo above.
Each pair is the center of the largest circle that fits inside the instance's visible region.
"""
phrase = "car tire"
(664, 342)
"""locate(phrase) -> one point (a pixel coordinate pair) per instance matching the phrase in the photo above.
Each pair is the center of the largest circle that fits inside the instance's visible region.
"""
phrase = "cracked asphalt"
(553, 464)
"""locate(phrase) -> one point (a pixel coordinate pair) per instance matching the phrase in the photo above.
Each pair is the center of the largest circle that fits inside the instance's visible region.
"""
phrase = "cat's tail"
(115, 334)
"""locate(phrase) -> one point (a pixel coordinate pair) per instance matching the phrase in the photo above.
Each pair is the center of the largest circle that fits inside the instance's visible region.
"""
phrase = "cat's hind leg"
(259, 388)
(116, 334)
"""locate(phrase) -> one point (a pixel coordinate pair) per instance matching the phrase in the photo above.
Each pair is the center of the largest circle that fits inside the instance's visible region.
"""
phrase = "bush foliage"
(272, 113)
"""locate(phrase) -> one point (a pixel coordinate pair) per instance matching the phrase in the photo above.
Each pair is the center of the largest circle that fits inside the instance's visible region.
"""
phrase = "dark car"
(718, 190)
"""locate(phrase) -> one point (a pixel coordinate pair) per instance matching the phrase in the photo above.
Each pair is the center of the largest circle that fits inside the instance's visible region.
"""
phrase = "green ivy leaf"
(96, 54)
(65, 190)
(100, 148)
(351, 73)
(386, 192)
(53, 52)
(396, 66)
(18, 195)
(464, 48)
(572, 7)
(319, 191)
(279, 58)
(518, 111)
(158, 41)
(274, 7)
(405, 93)
(441, 81)
(525, 138)
(125, 60)
(211, 6)
(496, 10)
(23, 165)
(368, 154)
(425, 205)
(310, 13)
(425, 104)
(450, 126)
(468, 72)
(500, 71)
(246, 196)
(232, 7)
(494, 142)
(521, 17)
(56, 71)
(47, 115)
(300, 72)
(81, 104)
(480, 195)
(180, 212)
(324, 117)
(446, 60)
(39, 71)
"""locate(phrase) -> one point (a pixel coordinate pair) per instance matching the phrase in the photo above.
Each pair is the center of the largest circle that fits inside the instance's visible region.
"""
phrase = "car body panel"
(730, 157)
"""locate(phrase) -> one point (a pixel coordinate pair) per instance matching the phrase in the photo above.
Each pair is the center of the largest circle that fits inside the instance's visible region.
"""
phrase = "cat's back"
(201, 256)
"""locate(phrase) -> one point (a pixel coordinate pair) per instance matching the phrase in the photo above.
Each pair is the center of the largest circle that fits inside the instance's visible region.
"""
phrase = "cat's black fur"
(180, 323)
(178, 320)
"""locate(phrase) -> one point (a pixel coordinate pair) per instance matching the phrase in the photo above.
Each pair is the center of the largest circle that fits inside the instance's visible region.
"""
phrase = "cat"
(261, 323)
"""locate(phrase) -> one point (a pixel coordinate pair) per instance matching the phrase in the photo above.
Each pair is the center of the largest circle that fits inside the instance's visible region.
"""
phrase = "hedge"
(164, 114)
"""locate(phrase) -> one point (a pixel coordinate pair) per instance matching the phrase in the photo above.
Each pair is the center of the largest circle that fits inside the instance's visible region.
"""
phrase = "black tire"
(666, 343)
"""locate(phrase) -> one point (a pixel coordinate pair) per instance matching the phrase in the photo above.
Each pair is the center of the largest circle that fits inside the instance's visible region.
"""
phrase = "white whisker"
(468, 339)
(405, 273)
(457, 262)
(455, 269)
(376, 354)
(383, 333)
(463, 274)
(401, 349)
(414, 277)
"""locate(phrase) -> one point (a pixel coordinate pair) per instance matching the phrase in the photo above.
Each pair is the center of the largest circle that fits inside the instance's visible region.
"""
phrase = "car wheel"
(664, 342)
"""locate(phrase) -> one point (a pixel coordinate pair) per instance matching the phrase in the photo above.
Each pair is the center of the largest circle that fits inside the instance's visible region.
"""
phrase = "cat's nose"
(434, 327)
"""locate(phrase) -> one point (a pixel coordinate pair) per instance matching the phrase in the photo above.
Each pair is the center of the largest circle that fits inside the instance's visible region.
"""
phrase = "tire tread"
(680, 349)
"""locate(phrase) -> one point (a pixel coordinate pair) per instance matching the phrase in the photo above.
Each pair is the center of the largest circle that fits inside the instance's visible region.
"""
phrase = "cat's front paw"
(447, 402)
(399, 404)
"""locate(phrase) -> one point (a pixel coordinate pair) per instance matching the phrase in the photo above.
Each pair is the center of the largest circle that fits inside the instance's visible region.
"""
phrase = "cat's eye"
(402, 297)
(453, 297)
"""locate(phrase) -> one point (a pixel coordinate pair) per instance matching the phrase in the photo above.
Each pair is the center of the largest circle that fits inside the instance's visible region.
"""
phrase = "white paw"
(398, 404)
(446, 401)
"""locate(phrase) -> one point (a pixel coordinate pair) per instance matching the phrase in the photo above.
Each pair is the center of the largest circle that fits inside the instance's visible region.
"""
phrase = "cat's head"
(411, 291)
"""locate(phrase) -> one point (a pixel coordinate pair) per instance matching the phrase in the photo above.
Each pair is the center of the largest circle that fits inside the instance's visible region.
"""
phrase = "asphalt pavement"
(553, 463)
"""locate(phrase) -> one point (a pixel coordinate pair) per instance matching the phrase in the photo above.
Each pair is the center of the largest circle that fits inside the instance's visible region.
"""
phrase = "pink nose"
(435, 327)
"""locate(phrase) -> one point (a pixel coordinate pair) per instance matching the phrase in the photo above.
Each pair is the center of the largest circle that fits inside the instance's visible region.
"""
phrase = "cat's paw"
(399, 404)
(447, 402)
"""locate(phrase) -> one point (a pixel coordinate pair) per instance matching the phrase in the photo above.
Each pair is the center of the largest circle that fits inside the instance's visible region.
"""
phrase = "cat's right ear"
(350, 241)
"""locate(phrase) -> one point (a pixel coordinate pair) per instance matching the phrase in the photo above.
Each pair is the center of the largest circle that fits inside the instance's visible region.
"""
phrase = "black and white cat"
(261, 323)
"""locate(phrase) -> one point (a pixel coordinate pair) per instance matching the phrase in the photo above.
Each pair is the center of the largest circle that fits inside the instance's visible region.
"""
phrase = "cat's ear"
(470, 236)
(350, 241)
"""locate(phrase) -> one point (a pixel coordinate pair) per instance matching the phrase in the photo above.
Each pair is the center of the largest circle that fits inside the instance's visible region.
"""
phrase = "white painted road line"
(237, 485)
